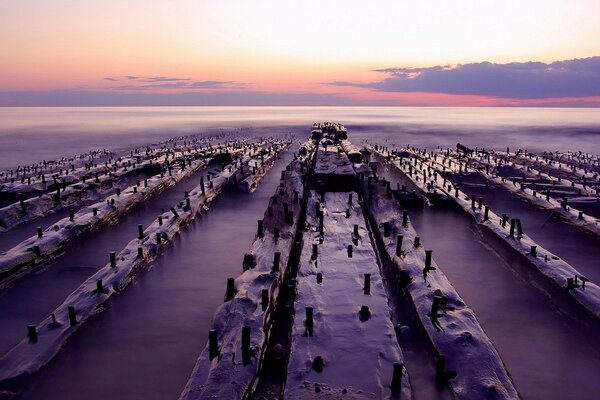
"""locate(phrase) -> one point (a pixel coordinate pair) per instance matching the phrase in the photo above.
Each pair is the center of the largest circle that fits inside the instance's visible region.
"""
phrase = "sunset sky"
(255, 52)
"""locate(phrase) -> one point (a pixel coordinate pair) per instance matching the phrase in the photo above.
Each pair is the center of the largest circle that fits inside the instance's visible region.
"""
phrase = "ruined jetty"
(321, 324)
(346, 288)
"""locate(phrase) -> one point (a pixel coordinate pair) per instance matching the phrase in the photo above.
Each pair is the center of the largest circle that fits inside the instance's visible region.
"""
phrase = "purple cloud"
(161, 82)
(64, 98)
(150, 79)
(528, 80)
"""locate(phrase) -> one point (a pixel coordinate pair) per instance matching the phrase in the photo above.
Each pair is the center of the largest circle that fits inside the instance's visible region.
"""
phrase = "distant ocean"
(32, 134)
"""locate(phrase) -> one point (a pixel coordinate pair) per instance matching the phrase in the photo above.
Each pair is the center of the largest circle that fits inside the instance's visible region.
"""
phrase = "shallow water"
(578, 248)
(548, 356)
(146, 343)
(542, 349)
(34, 297)
(152, 334)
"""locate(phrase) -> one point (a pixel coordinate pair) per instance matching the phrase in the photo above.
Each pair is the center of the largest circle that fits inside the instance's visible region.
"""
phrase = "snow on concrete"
(454, 330)
(358, 355)
(554, 270)
(29, 356)
(225, 376)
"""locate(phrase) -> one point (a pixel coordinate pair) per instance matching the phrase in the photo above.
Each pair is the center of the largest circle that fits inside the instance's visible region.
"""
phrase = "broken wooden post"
(399, 239)
(140, 231)
(174, 212)
(405, 218)
(364, 314)
(264, 299)
(350, 251)
(213, 348)
(533, 251)
(140, 252)
(355, 230)
(32, 333)
(22, 202)
(367, 285)
(309, 320)
(158, 238)
(39, 231)
(321, 222)
(519, 226)
(276, 258)
(72, 316)
(417, 241)
(428, 260)
(246, 345)
(230, 292)
(386, 229)
(440, 368)
(113, 259)
(397, 378)
(261, 232)
(319, 277)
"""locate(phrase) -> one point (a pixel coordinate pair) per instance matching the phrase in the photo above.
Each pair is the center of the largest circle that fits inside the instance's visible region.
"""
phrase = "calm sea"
(31, 134)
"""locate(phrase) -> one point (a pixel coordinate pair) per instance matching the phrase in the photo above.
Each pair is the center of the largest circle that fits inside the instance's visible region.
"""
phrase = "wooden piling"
(396, 385)
(399, 239)
(246, 345)
(230, 292)
(213, 348)
(276, 260)
(264, 299)
(309, 320)
(367, 284)
(72, 316)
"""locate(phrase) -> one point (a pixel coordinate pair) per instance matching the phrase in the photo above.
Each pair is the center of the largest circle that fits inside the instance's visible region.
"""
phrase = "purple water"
(31, 134)
(152, 334)
(146, 343)
(536, 342)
